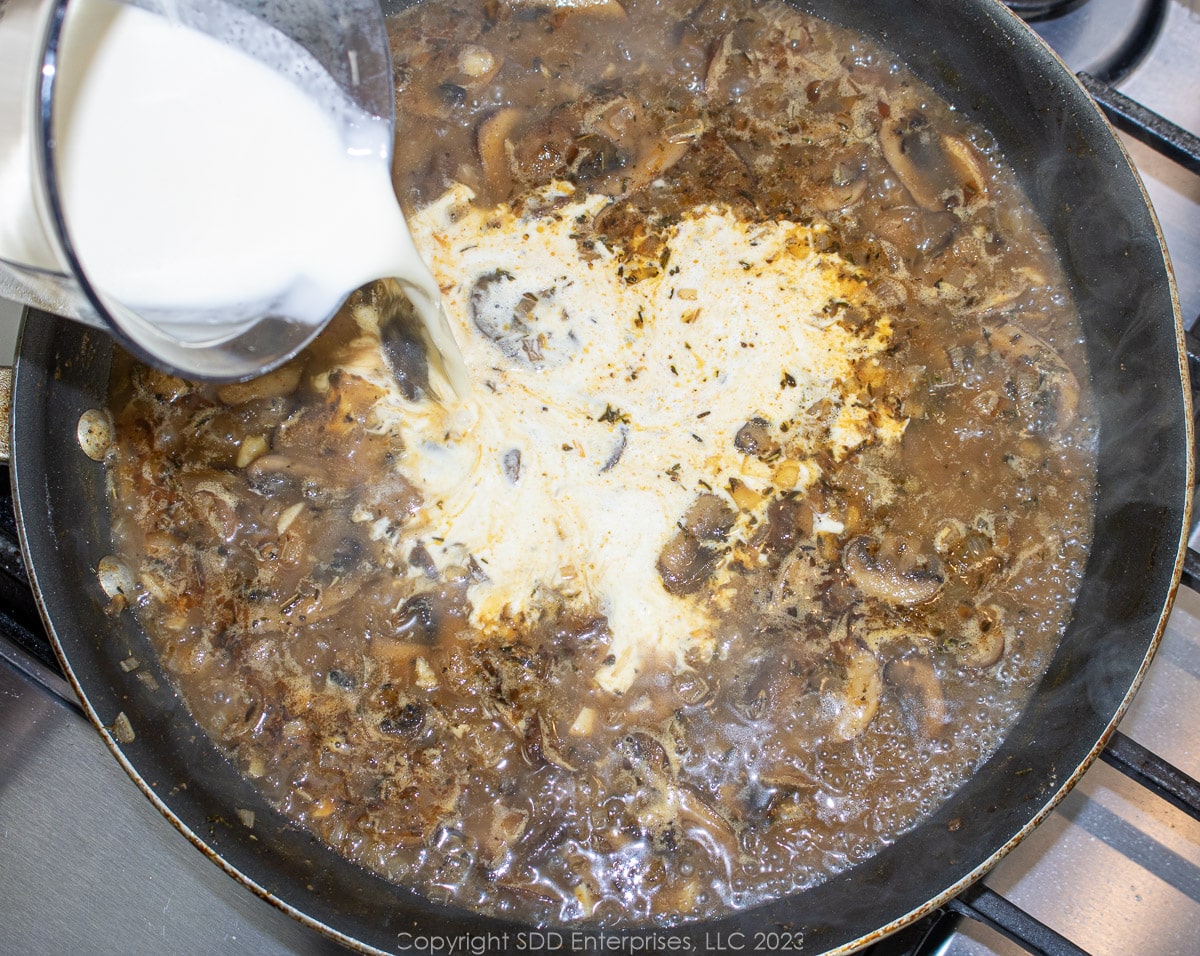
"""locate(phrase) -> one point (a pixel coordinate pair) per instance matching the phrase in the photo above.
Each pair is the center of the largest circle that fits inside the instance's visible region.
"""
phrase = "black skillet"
(1080, 181)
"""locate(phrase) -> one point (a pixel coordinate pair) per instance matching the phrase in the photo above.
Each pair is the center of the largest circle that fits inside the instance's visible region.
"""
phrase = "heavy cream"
(602, 407)
(205, 189)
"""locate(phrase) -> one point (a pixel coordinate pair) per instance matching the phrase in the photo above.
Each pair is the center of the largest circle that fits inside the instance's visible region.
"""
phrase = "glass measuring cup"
(335, 50)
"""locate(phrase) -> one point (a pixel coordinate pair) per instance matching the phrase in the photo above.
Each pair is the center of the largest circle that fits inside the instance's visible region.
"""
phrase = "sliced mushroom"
(789, 776)
(981, 641)
(890, 580)
(802, 578)
(841, 185)
(709, 518)
(550, 148)
(755, 439)
(950, 534)
(417, 619)
(655, 158)
(620, 121)
(618, 450)
(492, 141)
(494, 304)
(788, 521)
(599, 159)
(404, 341)
(685, 564)
(405, 720)
(919, 693)
(718, 63)
(275, 384)
(609, 9)
(159, 386)
(730, 63)
(646, 753)
(856, 702)
(214, 497)
(1045, 389)
(498, 831)
(685, 130)
(702, 823)
(664, 802)
(917, 237)
(274, 474)
(968, 167)
(541, 743)
(938, 170)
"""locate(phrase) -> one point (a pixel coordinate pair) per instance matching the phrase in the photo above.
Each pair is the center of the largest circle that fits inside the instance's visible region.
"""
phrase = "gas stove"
(88, 866)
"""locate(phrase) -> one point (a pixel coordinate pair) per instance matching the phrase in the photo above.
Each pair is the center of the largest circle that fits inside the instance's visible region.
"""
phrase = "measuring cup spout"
(207, 180)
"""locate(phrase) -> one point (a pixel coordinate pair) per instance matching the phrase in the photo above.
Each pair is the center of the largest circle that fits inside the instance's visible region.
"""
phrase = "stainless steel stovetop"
(87, 866)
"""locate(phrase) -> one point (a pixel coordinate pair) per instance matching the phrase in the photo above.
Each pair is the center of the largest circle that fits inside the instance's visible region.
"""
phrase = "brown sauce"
(878, 628)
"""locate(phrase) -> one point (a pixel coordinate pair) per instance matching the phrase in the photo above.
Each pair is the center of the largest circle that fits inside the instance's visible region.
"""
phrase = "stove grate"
(19, 619)
(1152, 772)
(1157, 132)
(931, 934)
(1033, 10)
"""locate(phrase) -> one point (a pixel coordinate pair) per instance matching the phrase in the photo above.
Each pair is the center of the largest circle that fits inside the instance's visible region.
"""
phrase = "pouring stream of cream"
(206, 190)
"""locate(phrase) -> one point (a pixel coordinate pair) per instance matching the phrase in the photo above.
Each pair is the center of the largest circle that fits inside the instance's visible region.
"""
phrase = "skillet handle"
(6, 382)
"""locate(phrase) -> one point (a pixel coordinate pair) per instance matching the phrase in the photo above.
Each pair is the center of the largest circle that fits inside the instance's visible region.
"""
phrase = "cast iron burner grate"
(1033, 10)
(19, 620)
(1107, 38)
(21, 625)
